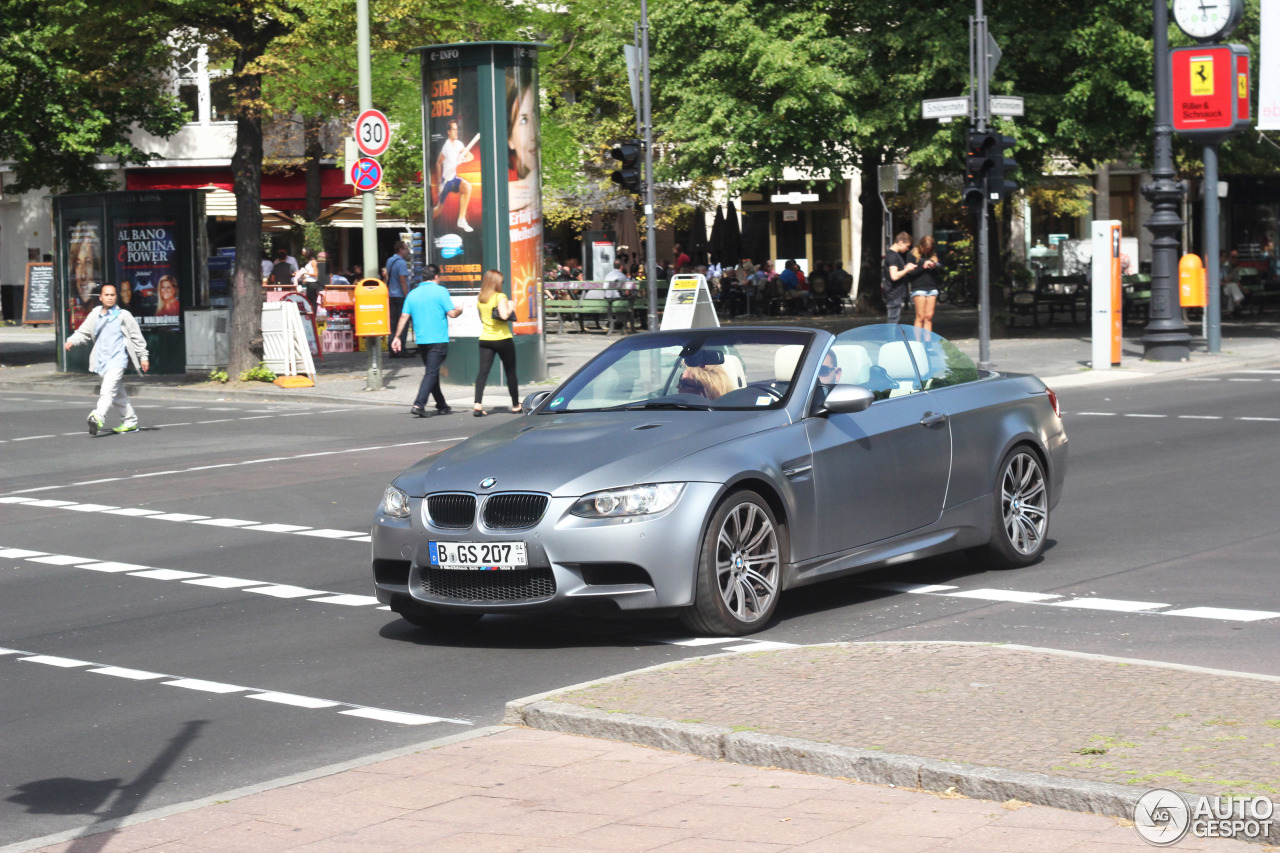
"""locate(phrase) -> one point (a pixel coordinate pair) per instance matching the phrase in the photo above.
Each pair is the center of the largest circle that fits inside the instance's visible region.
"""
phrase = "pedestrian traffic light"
(999, 181)
(628, 175)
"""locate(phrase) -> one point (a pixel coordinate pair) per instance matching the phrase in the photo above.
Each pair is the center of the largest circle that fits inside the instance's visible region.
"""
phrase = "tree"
(77, 78)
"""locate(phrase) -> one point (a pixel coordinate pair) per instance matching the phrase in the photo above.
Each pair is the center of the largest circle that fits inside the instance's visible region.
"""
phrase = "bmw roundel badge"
(488, 482)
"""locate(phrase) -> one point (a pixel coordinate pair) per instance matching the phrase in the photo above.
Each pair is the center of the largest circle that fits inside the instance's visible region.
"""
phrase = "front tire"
(1020, 524)
(739, 569)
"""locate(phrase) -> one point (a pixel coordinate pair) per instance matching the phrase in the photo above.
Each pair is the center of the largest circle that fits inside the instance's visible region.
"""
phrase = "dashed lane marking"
(350, 709)
(269, 588)
(267, 459)
(184, 517)
(1180, 417)
(1151, 608)
(256, 414)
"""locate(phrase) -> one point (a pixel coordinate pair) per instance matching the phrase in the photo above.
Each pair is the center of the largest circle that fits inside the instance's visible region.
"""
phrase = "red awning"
(287, 192)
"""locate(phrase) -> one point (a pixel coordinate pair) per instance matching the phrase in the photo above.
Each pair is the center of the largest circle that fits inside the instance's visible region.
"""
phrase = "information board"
(37, 294)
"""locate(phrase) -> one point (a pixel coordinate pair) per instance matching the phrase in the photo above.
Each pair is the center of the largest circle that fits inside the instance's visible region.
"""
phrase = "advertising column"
(481, 159)
(1105, 288)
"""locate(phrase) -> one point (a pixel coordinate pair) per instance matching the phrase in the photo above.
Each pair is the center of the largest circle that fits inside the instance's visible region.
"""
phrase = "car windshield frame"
(687, 343)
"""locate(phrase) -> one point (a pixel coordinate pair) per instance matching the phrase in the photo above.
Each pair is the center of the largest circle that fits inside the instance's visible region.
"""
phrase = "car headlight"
(395, 503)
(635, 500)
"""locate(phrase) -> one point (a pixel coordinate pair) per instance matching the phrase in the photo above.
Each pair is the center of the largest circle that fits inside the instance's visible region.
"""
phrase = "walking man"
(430, 307)
(116, 342)
(398, 285)
(895, 281)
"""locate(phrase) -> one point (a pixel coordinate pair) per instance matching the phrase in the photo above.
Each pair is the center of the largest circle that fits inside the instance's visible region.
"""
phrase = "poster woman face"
(84, 269)
(521, 138)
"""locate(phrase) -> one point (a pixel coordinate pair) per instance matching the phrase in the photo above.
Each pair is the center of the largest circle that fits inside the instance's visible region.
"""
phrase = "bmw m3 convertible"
(701, 473)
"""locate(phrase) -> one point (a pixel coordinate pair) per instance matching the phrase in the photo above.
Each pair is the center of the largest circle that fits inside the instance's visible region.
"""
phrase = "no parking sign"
(366, 174)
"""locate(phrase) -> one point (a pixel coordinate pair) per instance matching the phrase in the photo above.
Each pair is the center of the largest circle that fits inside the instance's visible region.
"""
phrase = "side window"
(948, 365)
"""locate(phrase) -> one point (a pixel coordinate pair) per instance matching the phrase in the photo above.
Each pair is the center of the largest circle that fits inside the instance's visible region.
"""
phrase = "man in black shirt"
(897, 269)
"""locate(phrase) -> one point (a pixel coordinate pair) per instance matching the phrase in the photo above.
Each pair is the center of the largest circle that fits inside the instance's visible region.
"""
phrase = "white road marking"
(282, 590)
(133, 511)
(131, 674)
(178, 516)
(1012, 595)
(1146, 608)
(166, 574)
(1268, 420)
(760, 646)
(1243, 380)
(1128, 415)
(698, 641)
(15, 499)
(58, 560)
(1267, 372)
(331, 534)
(91, 507)
(205, 686)
(222, 582)
(19, 553)
(1110, 604)
(1229, 614)
(225, 522)
(50, 503)
(111, 567)
(65, 663)
(34, 437)
(277, 528)
(217, 687)
(349, 600)
(1201, 417)
(911, 587)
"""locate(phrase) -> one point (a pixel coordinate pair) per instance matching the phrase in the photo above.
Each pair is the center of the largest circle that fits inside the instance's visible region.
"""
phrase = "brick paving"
(532, 791)
(1037, 711)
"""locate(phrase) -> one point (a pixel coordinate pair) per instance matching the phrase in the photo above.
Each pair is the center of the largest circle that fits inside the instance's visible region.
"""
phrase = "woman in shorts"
(924, 284)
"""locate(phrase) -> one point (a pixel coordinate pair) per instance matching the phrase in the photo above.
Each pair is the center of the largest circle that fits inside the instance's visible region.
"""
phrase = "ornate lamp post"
(1165, 337)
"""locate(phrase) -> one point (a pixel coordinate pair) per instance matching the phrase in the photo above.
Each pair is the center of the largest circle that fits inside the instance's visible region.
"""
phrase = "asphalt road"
(224, 635)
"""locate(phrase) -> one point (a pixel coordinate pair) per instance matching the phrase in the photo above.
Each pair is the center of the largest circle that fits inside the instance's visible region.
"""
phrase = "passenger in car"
(711, 381)
(829, 373)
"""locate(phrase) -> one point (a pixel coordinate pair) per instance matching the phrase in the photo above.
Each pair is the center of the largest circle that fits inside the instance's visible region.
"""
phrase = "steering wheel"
(766, 387)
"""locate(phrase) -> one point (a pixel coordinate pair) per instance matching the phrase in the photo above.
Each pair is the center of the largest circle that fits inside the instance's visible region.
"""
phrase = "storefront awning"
(220, 204)
(350, 214)
(285, 192)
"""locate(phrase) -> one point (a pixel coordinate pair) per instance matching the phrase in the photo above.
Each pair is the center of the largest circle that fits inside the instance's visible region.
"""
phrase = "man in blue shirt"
(430, 307)
(398, 286)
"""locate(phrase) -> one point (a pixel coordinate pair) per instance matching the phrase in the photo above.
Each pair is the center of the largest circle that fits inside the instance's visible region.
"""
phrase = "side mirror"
(847, 399)
(533, 401)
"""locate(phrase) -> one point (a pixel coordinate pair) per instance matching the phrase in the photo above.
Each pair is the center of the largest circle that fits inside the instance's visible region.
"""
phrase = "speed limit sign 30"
(373, 133)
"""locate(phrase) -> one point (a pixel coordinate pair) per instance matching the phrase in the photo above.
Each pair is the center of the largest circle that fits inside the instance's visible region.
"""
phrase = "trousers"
(433, 356)
(112, 395)
(504, 349)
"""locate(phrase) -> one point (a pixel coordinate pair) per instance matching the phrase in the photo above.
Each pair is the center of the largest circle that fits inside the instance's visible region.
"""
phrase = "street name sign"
(1009, 106)
(944, 108)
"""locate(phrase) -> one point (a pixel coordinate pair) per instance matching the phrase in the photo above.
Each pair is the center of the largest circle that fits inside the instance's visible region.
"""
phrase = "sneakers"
(462, 223)
(125, 428)
(444, 410)
(95, 423)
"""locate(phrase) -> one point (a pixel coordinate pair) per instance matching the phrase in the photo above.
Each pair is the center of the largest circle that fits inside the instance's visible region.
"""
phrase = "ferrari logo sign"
(1201, 68)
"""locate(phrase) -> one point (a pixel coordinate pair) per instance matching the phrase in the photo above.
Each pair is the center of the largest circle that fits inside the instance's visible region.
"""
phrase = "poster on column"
(524, 198)
(147, 272)
(457, 193)
(1269, 67)
(85, 267)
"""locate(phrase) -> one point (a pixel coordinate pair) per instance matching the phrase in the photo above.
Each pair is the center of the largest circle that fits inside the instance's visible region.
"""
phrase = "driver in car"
(829, 373)
(709, 381)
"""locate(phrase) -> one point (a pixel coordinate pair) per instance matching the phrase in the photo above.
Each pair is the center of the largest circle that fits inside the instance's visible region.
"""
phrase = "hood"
(572, 454)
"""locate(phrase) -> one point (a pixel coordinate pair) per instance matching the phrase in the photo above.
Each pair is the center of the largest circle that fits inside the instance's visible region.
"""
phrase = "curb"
(717, 743)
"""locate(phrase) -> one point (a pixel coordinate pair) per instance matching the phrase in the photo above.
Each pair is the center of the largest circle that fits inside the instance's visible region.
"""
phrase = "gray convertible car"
(702, 472)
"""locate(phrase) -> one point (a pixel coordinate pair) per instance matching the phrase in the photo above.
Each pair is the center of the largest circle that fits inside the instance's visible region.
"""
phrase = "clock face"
(1206, 19)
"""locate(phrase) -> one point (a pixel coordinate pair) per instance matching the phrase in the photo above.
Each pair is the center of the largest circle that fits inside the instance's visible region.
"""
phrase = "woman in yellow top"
(496, 313)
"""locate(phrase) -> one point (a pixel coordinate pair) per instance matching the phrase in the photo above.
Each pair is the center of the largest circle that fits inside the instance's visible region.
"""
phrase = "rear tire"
(1020, 511)
(421, 616)
(739, 569)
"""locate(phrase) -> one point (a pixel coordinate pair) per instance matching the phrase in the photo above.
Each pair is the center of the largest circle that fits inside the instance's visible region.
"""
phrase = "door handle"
(932, 419)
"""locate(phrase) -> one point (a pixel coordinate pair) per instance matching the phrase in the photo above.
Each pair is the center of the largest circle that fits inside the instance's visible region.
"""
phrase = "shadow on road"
(66, 796)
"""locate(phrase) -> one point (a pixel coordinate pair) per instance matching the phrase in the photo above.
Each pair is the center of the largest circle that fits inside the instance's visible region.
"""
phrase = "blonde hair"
(713, 380)
(925, 249)
(490, 284)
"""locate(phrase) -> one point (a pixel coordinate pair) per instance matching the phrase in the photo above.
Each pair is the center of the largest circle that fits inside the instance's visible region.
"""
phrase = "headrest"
(785, 360)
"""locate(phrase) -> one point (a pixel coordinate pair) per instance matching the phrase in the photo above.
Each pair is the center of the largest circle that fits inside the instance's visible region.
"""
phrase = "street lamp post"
(1165, 337)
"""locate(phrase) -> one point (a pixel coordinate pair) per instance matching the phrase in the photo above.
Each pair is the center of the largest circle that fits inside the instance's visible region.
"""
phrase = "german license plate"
(479, 556)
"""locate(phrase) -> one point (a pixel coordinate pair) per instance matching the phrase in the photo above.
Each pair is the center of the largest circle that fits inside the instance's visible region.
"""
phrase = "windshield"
(690, 369)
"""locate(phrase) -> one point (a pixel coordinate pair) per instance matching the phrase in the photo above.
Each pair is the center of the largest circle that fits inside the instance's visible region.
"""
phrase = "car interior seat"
(785, 360)
(854, 363)
(733, 367)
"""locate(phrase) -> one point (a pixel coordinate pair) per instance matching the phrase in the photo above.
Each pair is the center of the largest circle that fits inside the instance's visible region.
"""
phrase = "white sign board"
(944, 108)
(1269, 67)
(466, 324)
(689, 304)
(793, 198)
(1006, 105)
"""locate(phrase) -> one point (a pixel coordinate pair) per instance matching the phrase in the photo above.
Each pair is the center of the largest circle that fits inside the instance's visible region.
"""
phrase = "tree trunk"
(246, 172)
(312, 151)
(868, 290)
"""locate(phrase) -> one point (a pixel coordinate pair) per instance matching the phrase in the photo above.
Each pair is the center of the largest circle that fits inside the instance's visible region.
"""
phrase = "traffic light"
(628, 175)
(999, 181)
(981, 157)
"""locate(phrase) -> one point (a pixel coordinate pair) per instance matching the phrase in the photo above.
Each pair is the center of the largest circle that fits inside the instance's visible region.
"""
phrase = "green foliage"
(261, 373)
(219, 376)
(76, 76)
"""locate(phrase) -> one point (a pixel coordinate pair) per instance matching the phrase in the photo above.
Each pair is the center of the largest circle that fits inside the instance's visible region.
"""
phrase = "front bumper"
(643, 563)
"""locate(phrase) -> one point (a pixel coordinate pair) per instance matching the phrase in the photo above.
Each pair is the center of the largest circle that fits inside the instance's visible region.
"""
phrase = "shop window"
(221, 103)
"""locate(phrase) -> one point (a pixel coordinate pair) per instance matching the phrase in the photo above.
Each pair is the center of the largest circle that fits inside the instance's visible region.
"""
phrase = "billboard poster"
(457, 192)
(147, 270)
(85, 266)
(524, 197)
(1269, 67)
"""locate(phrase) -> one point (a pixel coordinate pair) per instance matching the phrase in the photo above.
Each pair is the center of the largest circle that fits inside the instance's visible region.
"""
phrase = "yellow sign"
(1202, 75)
(1242, 85)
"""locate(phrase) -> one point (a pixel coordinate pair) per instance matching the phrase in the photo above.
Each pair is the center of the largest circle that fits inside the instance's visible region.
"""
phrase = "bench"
(580, 309)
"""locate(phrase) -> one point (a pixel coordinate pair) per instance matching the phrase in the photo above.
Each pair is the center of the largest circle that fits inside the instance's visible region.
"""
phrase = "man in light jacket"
(116, 342)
